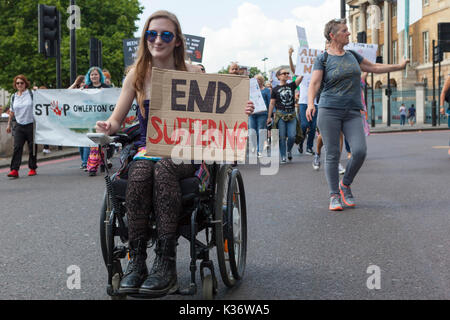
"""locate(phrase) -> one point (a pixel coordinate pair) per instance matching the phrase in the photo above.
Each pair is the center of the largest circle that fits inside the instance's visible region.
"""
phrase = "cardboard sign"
(305, 61)
(256, 96)
(301, 34)
(196, 116)
(64, 116)
(368, 51)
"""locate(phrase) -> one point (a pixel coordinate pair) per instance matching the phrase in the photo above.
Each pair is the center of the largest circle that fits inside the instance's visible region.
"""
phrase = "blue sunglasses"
(166, 36)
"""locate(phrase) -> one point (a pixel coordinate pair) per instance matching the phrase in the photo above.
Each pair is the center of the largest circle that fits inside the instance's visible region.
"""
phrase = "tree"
(109, 21)
(254, 71)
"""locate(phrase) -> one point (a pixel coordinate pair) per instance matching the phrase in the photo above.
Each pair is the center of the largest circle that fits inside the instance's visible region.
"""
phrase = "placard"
(305, 61)
(367, 50)
(197, 117)
(256, 96)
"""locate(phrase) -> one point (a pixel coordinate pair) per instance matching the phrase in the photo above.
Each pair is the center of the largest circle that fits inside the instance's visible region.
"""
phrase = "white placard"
(301, 34)
(256, 96)
(368, 51)
(305, 61)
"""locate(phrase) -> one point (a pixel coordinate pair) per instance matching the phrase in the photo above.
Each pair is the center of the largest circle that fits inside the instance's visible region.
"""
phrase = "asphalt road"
(297, 249)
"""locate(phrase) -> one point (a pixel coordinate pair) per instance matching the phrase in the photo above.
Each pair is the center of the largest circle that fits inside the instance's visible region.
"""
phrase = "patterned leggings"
(155, 187)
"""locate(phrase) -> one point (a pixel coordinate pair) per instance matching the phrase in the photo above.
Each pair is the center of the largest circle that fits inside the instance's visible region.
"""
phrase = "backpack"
(324, 64)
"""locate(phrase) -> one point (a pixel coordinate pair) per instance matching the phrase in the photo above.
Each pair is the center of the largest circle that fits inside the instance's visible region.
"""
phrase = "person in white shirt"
(21, 107)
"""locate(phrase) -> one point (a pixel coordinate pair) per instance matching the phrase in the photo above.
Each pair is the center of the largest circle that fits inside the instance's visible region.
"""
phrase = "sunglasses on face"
(18, 83)
(284, 73)
(166, 36)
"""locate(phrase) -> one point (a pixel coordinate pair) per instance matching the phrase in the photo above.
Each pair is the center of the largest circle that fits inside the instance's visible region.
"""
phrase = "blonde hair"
(260, 79)
(144, 58)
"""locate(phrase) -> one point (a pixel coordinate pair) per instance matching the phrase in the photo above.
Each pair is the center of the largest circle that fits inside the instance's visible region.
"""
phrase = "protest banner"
(256, 96)
(64, 116)
(274, 80)
(305, 61)
(194, 47)
(301, 34)
(368, 51)
(195, 116)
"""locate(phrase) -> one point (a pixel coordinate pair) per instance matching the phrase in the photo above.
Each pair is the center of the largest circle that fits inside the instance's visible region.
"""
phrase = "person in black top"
(94, 79)
(283, 100)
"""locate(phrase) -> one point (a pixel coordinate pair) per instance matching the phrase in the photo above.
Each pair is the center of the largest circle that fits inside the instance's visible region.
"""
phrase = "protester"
(340, 107)
(307, 126)
(152, 187)
(257, 122)
(402, 112)
(78, 83)
(95, 79)
(445, 96)
(107, 75)
(21, 108)
(233, 68)
(202, 68)
(411, 115)
(84, 151)
(285, 118)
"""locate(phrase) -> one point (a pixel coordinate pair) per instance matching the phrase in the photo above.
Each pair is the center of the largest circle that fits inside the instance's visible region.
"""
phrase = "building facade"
(378, 19)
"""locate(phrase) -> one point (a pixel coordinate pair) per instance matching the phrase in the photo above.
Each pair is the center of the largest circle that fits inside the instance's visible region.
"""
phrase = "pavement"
(379, 128)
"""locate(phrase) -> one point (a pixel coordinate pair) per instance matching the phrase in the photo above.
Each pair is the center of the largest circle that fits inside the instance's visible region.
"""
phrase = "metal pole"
(439, 87)
(58, 54)
(372, 108)
(73, 51)
(342, 9)
(433, 104)
(388, 20)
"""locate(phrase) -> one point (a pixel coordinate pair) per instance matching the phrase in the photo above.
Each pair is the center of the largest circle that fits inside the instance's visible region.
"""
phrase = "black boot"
(137, 268)
(162, 279)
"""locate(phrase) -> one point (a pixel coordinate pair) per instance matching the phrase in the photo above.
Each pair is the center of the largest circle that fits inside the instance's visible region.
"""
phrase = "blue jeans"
(258, 130)
(84, 153)
(402, 119)
(305, 124)
(287, 130)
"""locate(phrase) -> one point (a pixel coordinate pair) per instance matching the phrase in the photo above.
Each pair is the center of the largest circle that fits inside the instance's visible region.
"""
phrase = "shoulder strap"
(31, 93)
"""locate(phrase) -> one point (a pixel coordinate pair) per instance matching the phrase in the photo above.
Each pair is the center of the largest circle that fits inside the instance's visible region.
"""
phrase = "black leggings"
(155, 188)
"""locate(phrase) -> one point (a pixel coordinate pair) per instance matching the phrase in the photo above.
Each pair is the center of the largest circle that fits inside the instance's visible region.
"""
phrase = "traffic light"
(48, 30)
(438, 54)
(444, 36)
(361, 37)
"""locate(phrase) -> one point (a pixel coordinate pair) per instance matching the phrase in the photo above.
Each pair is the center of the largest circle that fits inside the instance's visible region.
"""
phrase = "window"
(381, 48)
(382, 14)
(394, 9)
(426, 2)
(357, 24)
(426, 47)
(394, 52)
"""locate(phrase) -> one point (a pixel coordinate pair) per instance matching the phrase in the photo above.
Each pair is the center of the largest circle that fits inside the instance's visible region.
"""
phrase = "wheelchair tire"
(236, 231)
(220, 211)
(104, 217)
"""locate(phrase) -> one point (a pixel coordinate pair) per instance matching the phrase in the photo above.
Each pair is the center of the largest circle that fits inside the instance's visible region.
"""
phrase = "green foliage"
(224, 70)
(254, 71)
(109, 21)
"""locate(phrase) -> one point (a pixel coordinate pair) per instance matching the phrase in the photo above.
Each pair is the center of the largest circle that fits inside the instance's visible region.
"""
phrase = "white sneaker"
(283, 160)
(259, 155)
(341, 169)
(46, 151)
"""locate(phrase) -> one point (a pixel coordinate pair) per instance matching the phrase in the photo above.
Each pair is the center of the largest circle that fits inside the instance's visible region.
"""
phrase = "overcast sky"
(248, 31)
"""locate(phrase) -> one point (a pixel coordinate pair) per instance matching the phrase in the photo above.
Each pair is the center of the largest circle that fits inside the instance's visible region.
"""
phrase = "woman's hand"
(103, 127)
(249, 108)
(310, 111)
(8, 129)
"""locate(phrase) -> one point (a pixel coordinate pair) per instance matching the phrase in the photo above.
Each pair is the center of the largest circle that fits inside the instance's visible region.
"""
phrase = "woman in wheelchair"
(153, 185)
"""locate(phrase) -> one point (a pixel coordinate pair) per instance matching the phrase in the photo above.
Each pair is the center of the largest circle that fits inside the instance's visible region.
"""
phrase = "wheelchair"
(218, 211)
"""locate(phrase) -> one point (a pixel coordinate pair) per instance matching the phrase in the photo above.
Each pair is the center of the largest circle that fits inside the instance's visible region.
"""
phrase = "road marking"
(440, 147)
(44, 163)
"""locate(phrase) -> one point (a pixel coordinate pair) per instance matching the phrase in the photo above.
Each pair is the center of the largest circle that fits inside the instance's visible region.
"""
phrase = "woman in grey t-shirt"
(339, 107)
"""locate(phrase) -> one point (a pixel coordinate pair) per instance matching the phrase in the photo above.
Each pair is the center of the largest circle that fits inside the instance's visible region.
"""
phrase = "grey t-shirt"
(342, 81)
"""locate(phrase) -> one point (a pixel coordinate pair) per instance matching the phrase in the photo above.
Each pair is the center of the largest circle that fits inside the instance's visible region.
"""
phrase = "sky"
(248, 31)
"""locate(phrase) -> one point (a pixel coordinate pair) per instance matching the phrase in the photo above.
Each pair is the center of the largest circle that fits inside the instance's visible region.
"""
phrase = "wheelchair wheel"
(231, 234)
(237, 225)
(113, 250)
